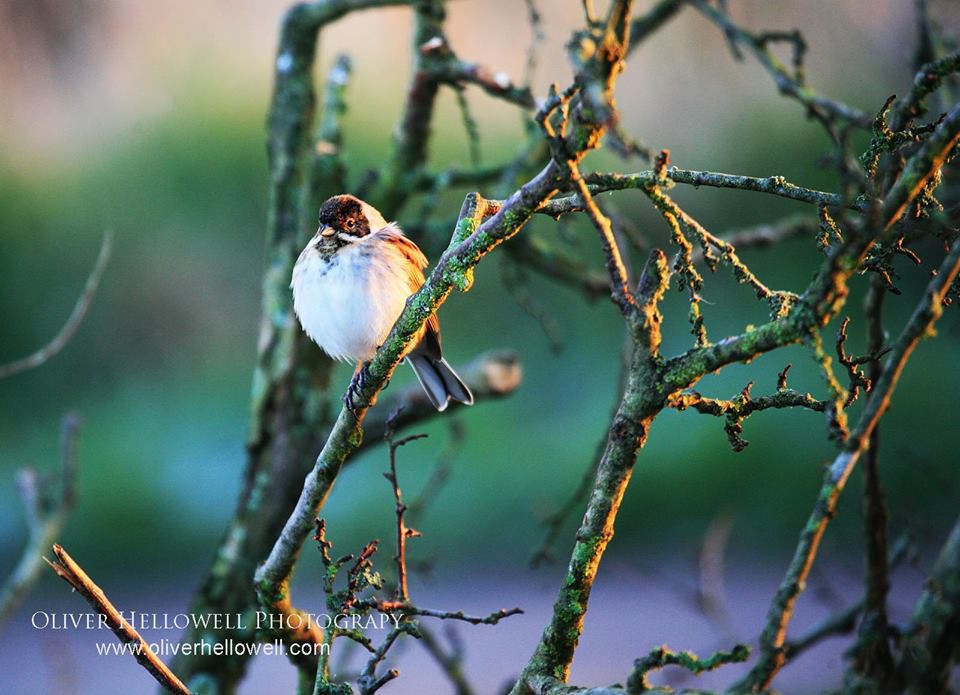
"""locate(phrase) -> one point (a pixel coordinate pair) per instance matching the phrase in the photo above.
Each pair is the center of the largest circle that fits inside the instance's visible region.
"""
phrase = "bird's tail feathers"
(439, 381)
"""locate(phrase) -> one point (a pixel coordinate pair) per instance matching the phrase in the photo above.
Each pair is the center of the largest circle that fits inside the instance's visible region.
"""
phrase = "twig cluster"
(359, 597)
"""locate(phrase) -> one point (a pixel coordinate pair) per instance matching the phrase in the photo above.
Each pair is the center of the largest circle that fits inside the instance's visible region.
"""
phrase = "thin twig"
(69, 329)
(450, 663)
(408, 609)
(403, 531)
(68, 570)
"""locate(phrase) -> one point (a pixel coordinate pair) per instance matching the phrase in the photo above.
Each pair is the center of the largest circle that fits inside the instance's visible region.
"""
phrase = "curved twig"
(69, 329)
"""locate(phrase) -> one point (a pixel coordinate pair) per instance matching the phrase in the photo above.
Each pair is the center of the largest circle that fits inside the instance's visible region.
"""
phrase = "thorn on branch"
(782, 378)
(321, 539)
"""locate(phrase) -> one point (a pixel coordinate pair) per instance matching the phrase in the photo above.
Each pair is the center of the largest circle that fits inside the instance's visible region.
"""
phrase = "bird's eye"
(351, 223)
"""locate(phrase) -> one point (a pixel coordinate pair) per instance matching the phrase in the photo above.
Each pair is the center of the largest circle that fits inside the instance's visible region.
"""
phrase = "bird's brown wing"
(430, 343)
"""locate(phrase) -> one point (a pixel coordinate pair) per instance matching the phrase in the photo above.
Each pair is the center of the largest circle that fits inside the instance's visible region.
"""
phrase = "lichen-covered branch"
(627, 433)
(921, 167)
(927, 80)
(930, 641)
(928, 310)
(743, 406)
(772, 185)
(661, 656)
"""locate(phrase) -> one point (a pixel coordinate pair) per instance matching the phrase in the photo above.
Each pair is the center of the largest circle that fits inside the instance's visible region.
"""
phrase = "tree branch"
(872, 657)
(928, 310)
(931, 637)
(627, 434)
(68, 570)
(825, 110)
(743, 406)
(661, 656)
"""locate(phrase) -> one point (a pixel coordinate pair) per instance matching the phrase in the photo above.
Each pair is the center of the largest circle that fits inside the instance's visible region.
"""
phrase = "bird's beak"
(325, 231)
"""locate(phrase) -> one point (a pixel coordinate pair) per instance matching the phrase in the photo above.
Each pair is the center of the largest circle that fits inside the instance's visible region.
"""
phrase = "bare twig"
(69, 329)
(408, 609)
(872, 656)
(68, 570)
(403, 531)
(368, 681)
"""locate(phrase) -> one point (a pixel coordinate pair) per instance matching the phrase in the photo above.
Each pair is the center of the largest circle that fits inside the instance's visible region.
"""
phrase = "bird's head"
(345, 219)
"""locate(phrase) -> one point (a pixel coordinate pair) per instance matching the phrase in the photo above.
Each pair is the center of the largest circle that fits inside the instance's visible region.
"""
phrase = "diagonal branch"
(627, 434)
(68, 570)
(925, 315)
(619, 283)
(824, 109)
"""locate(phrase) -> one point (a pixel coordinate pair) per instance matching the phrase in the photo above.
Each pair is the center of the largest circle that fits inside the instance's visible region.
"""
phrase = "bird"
(350, 284)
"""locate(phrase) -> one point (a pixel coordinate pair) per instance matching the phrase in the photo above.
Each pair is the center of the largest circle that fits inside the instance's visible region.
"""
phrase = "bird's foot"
(357, 384)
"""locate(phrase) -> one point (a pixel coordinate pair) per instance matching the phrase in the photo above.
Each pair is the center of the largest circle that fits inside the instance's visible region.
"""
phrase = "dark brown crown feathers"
(344, 213)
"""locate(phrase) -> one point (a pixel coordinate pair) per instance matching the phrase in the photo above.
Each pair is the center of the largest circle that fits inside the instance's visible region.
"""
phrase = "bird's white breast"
(348, 303)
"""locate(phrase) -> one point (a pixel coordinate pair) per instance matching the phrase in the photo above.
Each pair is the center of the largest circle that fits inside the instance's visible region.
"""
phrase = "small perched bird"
(350, 285)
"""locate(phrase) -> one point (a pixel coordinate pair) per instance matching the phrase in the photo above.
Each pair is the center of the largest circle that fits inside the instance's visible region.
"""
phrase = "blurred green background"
(147, 120)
